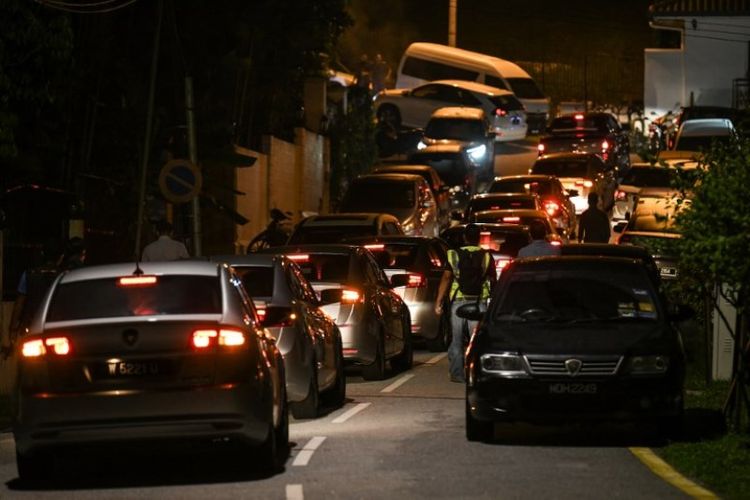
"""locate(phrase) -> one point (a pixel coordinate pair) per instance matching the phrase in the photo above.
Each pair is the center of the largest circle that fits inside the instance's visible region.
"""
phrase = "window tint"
(525, 88)
(379, 195)
(329, 234)
(522, 186)
(431, 70)
(506, 243)
(396, 255)
(258, 281)
(700, 143)
(104, 298)
(494, 81)
(437, 256)
(466, 98)
(503, 203)
(427, 92)
(455, 128)
(507, 102)
(325, 267)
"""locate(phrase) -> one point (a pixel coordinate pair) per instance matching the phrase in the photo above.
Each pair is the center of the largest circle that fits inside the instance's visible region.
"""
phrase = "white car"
(412, 108)
(697, 135)
(645, 176)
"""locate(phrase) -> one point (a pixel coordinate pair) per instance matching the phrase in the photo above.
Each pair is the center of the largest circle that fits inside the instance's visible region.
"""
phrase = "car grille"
(589, 365)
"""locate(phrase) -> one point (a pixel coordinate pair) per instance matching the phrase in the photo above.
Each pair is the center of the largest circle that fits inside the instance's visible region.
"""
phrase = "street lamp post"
(452, 8)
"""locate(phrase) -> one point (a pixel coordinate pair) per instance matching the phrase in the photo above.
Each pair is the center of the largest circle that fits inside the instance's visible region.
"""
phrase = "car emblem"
(130, 337)
(573, 366)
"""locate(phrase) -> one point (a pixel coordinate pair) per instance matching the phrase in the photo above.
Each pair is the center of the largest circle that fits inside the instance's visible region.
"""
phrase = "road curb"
(668, 474)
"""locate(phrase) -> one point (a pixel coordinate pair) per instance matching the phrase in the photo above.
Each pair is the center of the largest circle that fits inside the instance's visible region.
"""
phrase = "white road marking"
(398, 383)
(435, 359)
(306, 453)
(294, 492)
(349, 414)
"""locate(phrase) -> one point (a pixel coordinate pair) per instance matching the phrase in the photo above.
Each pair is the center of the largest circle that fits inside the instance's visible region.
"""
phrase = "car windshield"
(395, 255)
(330, 234)
(379, 196)
(325, 267)
(525, 88)
(106, 298)
(521, 186)
(700, 142)
(501, 203)
(576, 293)
(582, 122)
(650, 177)
(456, 129)
(562, 168)
(258, 280)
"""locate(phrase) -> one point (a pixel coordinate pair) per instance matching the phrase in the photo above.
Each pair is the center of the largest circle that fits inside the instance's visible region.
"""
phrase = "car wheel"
(310, 406)
(336, 396)
(376, 369)
(388, 114)
(34, 467)
(405, 360)
(478, 430)
(441, 342)
(269, 457)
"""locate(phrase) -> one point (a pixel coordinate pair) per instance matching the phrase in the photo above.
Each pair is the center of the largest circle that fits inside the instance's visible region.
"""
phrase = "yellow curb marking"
(668, 474)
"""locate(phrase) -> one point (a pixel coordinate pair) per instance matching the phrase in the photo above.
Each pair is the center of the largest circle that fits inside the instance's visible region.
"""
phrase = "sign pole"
(193, 150)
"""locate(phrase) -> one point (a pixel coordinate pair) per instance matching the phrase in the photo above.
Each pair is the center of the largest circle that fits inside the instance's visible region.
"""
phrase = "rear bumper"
(424, 321)
(239, 411)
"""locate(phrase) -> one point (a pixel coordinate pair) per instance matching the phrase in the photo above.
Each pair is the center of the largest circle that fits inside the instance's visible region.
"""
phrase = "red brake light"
(551, 207)
(375, 247)
(299, 257)
(137, 281)
(231, 337)
(261, 312)
(512, 219)
(59, 346)
(500, 112)
(33, 348)
(540, 148)
(203, 338)
(416, 280)
(620, 195)
(555, 243)
(579, 117)
(349, 296)
(485, 239)
(605, 146)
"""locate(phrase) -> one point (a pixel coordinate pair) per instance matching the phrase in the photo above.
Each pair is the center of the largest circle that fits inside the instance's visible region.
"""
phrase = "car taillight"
(229, 337)
(416, 280)
(605, 146)
(299, 257)
(204, 338)
(501, 264)
(512, 220)
(579, 117)
(540, 148)
(500, 112)
(349, 296)
(261, 312)
(59, 346)
(551, 207)
(620, 195)
(585, 183)
(555, 243)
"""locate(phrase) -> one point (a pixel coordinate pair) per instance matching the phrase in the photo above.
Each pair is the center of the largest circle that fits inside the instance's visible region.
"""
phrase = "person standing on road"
(539, 245)
(593, 227)
(470, 277)
(75, 254)
(164, 248)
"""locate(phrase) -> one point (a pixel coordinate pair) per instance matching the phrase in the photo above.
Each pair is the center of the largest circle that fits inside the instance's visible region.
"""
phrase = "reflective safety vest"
(455, 293)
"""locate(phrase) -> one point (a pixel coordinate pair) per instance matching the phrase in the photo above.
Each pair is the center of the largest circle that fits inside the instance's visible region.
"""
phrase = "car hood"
(583, 338)
(451, 142)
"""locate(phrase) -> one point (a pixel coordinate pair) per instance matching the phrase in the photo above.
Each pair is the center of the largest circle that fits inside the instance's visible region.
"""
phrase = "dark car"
(374, 321)
(288, 308)
(454, 167)
(574, 339)
(501, 201)
(502, 240)
(333, 228)
(415, 266)
(598, 133)
(522, 217)
(555, 199)
(610, 250)
(157, 353)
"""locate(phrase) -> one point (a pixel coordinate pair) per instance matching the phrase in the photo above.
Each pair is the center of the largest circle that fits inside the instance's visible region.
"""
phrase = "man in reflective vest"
(470, 276)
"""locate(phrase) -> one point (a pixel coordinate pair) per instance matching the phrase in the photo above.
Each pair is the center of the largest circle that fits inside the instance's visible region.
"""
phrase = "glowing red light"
(137, 281)
(512, 219)
(299, 257)
(579, 117)
(540, 148)
(605, 146)
(416, 280)
(375, 247)
(500, 112)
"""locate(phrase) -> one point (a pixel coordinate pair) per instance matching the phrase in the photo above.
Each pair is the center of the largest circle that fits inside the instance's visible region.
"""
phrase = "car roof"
(251, 259)
(349, 219)
(385, 176)
(550, 262)
(531, 177)
(673, 163)
(520, 212)
(606, 249)
(497, 196)
(474, 87)
(391, 238)
(489, 226)
(180, 267)
(706, 126)
(312, 248)
(568, 156)
(455, 112)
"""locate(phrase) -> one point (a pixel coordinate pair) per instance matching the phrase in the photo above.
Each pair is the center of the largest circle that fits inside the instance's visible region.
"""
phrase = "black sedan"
(572, 339)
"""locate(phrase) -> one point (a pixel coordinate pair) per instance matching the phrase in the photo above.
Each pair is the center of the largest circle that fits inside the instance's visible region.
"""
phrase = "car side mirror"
(398, 280)
(329, 296)
(277, 316)
(620, 226)
(572, 193)
(472, 312)
(680, 312)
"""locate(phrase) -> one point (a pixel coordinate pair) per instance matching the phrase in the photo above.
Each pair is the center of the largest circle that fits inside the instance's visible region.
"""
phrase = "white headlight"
(477, 153)
(506, 365)
(421, 145)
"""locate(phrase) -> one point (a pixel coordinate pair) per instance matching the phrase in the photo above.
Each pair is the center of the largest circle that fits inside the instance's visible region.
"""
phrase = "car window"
(395, 255)
(379, 195)
(561, 168)
(294, 285)
(521, 185)
(245, 302)
(467, 98)
(504, 203)
(330, 234)
(449, 94)
(525, 88)
(257, 280)
(372, 271)
(426, 92)
(431, 70)
(504, 242)
(391, 227)
(494, 81)
(507, 102)
(459, 129)
(106, 298)
(324, 267)
(437, 255)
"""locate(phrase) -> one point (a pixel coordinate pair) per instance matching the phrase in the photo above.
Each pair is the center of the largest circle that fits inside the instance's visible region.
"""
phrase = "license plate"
(668, 272)
(135, 369)
(573, 388)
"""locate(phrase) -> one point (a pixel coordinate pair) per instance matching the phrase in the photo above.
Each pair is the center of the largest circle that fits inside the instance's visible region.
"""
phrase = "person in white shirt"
(164, 248)
(539, 245)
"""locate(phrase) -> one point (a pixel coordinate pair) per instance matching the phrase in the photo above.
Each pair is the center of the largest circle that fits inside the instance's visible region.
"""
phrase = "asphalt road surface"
(398, 438)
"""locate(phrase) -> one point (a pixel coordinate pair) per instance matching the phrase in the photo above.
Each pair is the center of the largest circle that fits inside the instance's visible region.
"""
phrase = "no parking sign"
(180, 181)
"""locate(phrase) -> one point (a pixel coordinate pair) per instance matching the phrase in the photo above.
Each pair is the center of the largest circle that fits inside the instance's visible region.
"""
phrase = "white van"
(426, 62)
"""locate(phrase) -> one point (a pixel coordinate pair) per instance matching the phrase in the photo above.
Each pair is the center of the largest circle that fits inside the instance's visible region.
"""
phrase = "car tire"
(390, 115)
(443, 339)
(376, 369)
(405, 360)
(310, 406)
(478, 430)
(34, 467)
(336, 395)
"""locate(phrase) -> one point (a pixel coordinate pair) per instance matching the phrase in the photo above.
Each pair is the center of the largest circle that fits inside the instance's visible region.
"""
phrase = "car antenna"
(138, 271)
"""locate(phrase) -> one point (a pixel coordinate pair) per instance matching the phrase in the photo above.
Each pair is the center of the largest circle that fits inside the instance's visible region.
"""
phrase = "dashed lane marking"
(398, 383)
(668, 474)
(294, 492)
(349, 414)
(435, 359)
(306, 453)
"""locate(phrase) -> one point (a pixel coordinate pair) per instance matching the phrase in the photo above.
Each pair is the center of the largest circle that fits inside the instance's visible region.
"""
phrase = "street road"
(398, 438)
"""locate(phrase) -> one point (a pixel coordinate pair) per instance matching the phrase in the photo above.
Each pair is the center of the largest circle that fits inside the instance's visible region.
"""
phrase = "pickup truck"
(598, 133)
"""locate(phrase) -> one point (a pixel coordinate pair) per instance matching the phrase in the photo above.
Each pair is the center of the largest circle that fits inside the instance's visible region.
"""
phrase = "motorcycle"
(275, 234)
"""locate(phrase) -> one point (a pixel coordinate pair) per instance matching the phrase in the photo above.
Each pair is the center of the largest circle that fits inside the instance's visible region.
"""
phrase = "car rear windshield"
(325, 267)
(521, 186)
(330, 234)
(492, 216)
(525, 88)
(457, 129)
(396, 255)
(379, 196)
(258, 280)
(562, 168)
(506, 102)
(106, 298)
(504, 241)
(651, 177)
(583, 292)
(504, 203)
(701, 142)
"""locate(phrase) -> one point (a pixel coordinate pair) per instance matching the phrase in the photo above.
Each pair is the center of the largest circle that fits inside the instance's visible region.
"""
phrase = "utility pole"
(149, 125)
(193, 151)
(452, 9)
